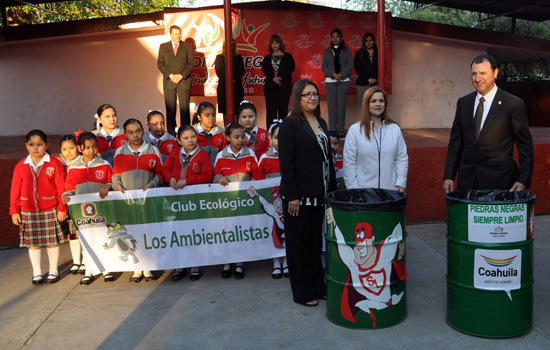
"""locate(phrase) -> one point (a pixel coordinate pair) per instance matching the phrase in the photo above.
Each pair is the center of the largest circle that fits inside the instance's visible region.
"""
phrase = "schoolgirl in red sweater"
(109, 135)
(268, 168)
(188, 165)
(35, 204)
(158, 136)
(256, 138)
(137, 165)
(88, 173)
(234, 164)
(210, 136)
(69, 152)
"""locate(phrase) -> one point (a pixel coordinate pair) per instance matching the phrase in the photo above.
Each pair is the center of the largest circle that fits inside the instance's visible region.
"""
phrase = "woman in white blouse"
(375, 154)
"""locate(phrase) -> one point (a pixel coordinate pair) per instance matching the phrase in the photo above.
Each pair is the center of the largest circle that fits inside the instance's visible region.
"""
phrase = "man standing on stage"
(175, 61)
(486, 126)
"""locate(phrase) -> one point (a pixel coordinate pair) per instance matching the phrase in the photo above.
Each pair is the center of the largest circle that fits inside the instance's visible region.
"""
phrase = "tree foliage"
(461, 18)
(84, 9)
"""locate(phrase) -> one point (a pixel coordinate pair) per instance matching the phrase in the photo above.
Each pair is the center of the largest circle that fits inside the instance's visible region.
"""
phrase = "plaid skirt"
(40, 229)
(69, 229)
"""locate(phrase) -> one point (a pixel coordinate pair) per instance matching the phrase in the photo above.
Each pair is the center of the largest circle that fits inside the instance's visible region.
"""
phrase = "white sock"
(147, 273)
(226, 266)
(75, 250)
(194, 269)
(35, 255)
(276, 263)
(137, 273)
(53, 258)
(285, 264)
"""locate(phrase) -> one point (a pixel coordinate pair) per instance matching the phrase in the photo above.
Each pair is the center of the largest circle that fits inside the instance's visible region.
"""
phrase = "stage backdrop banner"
(305, 33)
(163, 228)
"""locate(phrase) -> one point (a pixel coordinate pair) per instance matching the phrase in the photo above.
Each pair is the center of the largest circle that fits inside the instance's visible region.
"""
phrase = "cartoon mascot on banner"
(370, 270)
(275, 210)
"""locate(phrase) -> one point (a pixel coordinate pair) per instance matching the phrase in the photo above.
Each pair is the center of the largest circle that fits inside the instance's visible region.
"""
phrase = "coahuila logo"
(497, 270)
(89, 211)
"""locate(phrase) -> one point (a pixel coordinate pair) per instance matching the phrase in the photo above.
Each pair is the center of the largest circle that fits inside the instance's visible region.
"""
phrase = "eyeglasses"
(312, 95)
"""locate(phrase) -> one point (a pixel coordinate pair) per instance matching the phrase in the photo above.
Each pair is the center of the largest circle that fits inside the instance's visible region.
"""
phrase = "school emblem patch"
(170, 147)
(262, 137)
(152, 163)
(99, 174)
(220, 143)
(248, 166)
(50, 170)
(196, 168)
(123, 141)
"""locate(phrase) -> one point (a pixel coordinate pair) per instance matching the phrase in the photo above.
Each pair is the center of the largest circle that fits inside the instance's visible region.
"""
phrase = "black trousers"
(183, 95)
(304, 243)
(276, 104)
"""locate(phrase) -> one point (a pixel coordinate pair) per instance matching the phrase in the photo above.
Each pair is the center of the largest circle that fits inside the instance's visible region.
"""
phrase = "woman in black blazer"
(307, 174)
(277, 67)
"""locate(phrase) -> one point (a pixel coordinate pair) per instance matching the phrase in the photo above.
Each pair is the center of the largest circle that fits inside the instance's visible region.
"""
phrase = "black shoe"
(82, 269)
(87, 280)
(276, 273)
(52, 278)
(195, 276)
(239, 273)
(148, 278)
(74, 269)
(285, 271)
(107, 277)
(226, 273)
(38, 279)
(135, 279)
(179, 274)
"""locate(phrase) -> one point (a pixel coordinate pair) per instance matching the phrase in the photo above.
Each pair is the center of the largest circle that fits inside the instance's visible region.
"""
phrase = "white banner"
(163, 228)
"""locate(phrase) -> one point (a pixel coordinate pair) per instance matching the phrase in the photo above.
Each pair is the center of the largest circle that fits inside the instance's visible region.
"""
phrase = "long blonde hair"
(364, 117)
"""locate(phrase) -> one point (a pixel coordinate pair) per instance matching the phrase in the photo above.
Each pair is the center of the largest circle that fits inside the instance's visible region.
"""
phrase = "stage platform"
(427, 149)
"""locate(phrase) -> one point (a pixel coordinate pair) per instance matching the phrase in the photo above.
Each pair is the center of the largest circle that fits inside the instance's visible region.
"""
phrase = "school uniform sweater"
(196, 169)
(90, 178)
(257, 141)
(137, 169)
(166, 144)
(212, 142)
(242, 166)
(269, 165)
(339, 163)
(107, 144)
(37, 190)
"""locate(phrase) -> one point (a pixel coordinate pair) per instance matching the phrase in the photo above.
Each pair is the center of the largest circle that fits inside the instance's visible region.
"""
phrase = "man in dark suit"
(175, 61)
(486, 126)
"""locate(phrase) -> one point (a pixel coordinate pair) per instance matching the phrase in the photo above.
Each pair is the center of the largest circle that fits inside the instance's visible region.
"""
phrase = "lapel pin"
(499, 102)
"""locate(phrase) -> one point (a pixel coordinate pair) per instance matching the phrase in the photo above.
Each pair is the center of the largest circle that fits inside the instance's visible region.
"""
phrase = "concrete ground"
(254, 313)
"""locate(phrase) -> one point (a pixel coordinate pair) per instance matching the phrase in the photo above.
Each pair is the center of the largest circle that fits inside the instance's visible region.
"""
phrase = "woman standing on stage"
(365, 63)
(337, 65)
(277, 67)
(307, 174)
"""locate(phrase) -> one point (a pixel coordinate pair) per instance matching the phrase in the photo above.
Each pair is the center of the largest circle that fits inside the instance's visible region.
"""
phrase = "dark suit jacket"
(238, 90)
(488, 161)
(286, 69)
(301, 160)
(182, 64)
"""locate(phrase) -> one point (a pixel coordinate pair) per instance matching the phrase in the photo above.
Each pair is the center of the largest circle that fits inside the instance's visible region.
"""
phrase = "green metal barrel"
(366, 271)
(490, 262)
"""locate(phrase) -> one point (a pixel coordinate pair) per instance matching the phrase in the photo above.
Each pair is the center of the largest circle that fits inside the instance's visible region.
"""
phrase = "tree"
(84, 9)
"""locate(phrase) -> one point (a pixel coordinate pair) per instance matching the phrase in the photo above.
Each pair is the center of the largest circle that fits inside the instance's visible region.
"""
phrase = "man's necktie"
(478, 116)
(175, 49)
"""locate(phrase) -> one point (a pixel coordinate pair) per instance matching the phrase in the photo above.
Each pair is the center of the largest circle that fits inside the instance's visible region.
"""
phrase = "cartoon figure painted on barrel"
(124, 241)
(275, 210)
(371, 270)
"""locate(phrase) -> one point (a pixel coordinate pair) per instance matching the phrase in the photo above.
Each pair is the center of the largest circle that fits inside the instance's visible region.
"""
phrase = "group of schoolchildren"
(127, 158)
